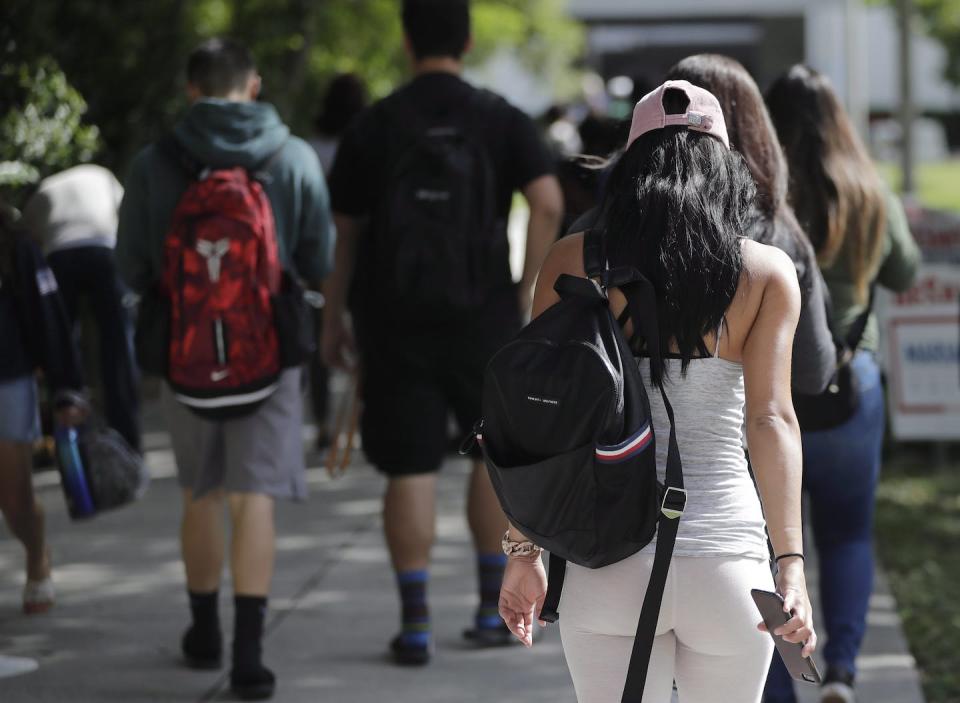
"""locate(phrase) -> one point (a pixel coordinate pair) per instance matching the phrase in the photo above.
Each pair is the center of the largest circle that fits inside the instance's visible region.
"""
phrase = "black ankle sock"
(249, 612)
(206, 618)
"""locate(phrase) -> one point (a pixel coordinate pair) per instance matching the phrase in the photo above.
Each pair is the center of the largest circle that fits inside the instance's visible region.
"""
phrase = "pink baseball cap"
(703, 113)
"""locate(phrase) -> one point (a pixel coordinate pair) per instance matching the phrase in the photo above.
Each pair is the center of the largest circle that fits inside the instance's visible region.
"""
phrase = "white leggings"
(707, 638)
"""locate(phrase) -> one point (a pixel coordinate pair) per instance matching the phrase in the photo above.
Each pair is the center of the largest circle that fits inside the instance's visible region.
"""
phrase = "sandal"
(38, 596)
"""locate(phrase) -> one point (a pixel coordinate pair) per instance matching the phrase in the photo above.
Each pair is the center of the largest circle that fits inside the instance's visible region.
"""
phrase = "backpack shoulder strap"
(859, 326)
(481, 111)
(641, 301)
(262, 171)
(405, 122)
(550, 611)
(593, 254)
(170, 146)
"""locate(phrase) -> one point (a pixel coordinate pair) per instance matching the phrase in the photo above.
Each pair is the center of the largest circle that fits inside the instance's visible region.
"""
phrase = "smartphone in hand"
(770, 606)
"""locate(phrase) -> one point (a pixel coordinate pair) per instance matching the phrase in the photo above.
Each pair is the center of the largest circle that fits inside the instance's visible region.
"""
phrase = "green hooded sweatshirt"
(219, 133)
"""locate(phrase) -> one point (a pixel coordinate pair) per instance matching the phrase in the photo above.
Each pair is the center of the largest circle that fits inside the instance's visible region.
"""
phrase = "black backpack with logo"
(437, 242)
(569, 444)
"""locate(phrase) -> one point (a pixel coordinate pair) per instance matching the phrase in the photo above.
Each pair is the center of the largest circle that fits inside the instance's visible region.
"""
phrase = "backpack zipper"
(473, 438)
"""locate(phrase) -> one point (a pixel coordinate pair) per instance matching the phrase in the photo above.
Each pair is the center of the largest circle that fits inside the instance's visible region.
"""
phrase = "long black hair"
(676, 205)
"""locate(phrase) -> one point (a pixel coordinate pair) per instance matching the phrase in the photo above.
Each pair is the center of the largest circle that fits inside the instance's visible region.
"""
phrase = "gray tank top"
(723, 515)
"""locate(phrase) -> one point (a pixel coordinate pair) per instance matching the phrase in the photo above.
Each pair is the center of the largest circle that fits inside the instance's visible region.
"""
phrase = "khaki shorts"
(259, 453)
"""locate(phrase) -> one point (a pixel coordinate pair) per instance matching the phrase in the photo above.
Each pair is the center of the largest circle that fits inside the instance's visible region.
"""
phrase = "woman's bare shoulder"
(566, 256)
(767, 276)
(764, 264)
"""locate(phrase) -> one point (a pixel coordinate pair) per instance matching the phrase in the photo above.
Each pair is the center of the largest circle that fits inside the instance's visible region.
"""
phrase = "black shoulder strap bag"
(642, 309)
(838, 403)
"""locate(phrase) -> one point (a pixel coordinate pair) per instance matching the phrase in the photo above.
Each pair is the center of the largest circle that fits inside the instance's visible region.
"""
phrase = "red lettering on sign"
(930, 290)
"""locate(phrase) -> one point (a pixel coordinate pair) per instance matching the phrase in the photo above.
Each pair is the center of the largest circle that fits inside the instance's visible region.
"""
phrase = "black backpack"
(568, 441)
(437, 242)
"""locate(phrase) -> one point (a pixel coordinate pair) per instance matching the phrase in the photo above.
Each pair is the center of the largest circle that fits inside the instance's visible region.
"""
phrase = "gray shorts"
(259, 453)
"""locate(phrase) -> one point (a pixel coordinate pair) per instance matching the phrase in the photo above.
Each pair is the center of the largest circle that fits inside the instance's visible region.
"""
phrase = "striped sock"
(415, 613)
(490, 573)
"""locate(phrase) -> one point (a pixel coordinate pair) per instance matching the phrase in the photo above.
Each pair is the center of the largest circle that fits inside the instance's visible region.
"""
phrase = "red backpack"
(220, 273)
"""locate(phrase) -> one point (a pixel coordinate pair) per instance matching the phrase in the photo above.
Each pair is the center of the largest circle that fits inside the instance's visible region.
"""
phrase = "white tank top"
(723, 515)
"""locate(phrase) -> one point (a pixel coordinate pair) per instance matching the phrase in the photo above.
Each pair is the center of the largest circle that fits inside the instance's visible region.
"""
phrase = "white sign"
(922, 355)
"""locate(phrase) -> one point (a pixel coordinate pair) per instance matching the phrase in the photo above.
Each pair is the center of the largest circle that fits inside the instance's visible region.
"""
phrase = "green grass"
(938, 183)
(918, 536)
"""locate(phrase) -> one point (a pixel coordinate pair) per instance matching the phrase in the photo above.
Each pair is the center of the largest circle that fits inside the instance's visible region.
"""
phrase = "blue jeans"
(841, 467)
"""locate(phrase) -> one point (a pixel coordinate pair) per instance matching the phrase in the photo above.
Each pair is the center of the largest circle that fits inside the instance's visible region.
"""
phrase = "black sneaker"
(202, 655)
(406, 654)
(256, 685)
(484, 637)
(837, 687)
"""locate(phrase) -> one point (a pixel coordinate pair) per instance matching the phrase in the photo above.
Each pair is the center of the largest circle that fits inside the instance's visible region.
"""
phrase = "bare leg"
(251, 559)
(252, 548)
(20, 508)
(409, 520)
(202, 540)
(484, 515)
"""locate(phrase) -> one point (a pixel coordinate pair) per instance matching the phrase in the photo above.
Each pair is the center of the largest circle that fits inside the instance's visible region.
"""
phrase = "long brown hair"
(834, 187)
(752, 134)
(748, 124)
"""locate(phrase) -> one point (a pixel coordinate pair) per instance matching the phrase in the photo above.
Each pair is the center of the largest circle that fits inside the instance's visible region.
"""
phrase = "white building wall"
(931, 91)
(620, 9)
(826, 34)
(856, 46)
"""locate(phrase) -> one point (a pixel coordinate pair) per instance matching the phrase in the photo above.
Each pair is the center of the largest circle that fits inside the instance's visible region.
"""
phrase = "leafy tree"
(41, 129)
(942, 20)
(127, 58)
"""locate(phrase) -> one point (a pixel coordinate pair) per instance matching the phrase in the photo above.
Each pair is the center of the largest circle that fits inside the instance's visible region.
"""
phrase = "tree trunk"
(905, 11)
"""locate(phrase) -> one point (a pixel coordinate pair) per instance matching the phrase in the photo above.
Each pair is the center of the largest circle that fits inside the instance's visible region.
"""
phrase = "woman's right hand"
(792, 585)
(521, 596)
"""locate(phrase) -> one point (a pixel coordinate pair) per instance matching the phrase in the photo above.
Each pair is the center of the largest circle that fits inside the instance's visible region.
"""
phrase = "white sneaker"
(38, 596)
(837, 692)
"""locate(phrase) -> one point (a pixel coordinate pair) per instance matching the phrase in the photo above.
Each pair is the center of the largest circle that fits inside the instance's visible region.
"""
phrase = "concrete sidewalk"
(114, 635)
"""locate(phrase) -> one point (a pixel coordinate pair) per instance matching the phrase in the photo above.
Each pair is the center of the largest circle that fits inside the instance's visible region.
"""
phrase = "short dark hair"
(346, 97)
(437, 27)
(219, 66)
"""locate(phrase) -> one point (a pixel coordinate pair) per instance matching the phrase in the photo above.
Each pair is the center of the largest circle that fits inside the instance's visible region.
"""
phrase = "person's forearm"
(541, 234)
(337, 285)
(515, 534)
(775, 453)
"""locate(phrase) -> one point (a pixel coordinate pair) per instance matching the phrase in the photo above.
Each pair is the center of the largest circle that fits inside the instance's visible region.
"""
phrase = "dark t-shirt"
(516, 149)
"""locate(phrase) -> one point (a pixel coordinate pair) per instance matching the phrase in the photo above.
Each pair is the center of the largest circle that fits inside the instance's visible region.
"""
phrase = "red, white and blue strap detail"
(626, 449)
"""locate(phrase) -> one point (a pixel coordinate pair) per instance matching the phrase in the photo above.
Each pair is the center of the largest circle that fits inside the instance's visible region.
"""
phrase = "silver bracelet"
(519, 550)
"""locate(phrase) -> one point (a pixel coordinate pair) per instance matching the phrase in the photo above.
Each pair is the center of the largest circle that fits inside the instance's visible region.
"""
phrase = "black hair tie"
(788, 555)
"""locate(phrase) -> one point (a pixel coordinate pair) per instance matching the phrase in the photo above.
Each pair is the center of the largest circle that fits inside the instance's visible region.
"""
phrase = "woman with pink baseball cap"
(677, 205)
